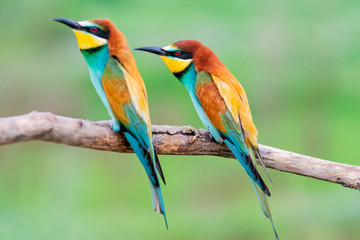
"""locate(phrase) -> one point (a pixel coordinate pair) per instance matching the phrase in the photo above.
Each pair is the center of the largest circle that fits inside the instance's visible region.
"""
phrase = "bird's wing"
(128, 101)
(223, 106)
(236, 101)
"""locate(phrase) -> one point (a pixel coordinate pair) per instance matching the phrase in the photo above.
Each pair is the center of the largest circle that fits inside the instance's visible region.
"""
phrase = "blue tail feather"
(248, 165)
(143, 156)
(156, 194)
(158, 201)
(264, 205)
(259, 186)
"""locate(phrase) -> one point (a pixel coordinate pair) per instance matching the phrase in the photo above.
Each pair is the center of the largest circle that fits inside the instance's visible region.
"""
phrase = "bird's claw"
(115, 126)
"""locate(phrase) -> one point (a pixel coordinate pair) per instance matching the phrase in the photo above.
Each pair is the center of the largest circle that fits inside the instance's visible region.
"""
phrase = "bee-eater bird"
(119, 84)
(221, 104)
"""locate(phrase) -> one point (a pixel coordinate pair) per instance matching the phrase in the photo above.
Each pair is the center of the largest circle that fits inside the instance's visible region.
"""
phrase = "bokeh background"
(299, 63)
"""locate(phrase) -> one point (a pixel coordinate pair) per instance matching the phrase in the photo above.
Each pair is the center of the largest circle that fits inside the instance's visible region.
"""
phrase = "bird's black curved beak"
(155, 50)
(68, 22)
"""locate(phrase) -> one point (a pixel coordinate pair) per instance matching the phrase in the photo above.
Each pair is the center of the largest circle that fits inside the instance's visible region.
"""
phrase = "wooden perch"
(169, 140)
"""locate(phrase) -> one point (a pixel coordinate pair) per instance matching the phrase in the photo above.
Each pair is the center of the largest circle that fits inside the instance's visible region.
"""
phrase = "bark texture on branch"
(170, 140)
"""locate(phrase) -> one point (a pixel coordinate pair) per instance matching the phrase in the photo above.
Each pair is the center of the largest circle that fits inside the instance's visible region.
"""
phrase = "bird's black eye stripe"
(99, 32)
(181, 54)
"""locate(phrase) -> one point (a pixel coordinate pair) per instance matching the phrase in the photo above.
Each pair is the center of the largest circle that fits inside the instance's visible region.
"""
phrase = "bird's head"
(90, 34)
(98, 39)
(179, 55)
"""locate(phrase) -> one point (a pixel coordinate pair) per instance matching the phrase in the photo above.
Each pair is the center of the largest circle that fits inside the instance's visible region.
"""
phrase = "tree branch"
(169, 140)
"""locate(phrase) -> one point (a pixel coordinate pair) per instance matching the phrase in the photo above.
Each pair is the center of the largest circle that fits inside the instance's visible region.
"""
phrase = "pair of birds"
(218, 97)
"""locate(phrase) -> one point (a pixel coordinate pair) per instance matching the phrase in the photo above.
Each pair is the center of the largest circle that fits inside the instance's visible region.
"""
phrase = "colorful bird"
(221, 104)
(119, 84)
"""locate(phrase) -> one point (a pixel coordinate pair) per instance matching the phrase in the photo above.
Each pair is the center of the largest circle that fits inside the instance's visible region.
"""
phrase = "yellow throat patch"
(87, 40)
(176, 65)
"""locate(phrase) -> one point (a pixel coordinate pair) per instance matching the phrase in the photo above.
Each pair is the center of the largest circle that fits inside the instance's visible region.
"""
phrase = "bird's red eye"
(177, 53)
(93, 29)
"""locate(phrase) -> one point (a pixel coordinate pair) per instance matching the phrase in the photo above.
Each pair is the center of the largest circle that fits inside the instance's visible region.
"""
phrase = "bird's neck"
(187, 77)
(97, 58)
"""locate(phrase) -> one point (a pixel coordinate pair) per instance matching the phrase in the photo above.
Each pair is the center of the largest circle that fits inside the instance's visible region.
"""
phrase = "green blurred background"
(299, 63)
